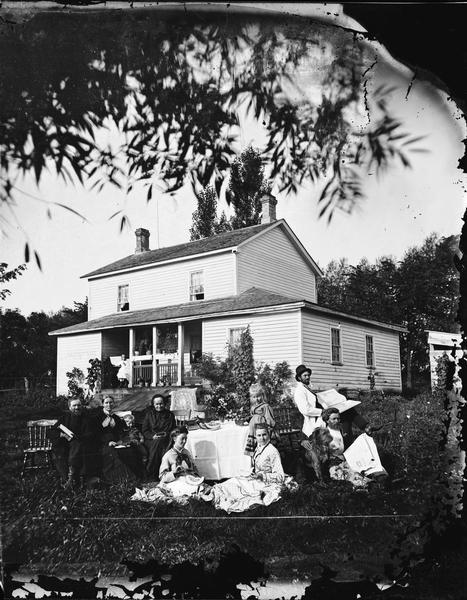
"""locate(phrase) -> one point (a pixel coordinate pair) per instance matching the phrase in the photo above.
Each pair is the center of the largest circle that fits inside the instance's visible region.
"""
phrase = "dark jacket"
(107, 434)
(158, 422)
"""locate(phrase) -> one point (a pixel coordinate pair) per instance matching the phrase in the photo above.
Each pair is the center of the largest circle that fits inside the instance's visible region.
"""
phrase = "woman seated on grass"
(260, 412)
(157, 425)
(130, 447)
(179, 479)
(338, 466)
(71, 438)
(323, 457)
(178, 471)
(262, 486)
(116, 464)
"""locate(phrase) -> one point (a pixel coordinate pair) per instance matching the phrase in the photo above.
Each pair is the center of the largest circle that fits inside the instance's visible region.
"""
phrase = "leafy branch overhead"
(173, 87)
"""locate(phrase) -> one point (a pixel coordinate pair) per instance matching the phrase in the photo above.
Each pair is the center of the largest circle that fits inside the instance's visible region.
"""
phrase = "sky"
(400, 209)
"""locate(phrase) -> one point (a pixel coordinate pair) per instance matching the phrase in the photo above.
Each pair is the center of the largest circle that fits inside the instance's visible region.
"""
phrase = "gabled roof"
(222, 241)
(215, 243)
(252, 300)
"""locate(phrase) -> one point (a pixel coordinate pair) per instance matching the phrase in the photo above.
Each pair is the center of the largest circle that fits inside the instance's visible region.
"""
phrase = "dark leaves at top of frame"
(172, 89)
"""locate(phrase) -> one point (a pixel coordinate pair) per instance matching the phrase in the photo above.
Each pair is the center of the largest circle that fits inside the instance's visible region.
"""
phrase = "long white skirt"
(178, 491)
(241, 493)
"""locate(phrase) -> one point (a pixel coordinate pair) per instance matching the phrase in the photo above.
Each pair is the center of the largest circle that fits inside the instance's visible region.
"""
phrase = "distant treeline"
(419, 292)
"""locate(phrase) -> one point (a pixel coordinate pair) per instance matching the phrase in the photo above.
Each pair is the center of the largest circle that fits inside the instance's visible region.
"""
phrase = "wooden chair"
(181, 416)
(288, 425)
(39, 443)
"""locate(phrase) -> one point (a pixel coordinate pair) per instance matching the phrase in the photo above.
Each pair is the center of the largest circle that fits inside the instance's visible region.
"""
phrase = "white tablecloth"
(220, 454)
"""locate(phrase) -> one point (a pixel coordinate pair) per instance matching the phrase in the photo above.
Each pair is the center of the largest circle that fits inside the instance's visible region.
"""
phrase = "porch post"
(181, 344)
(154, 350)
(131, 333)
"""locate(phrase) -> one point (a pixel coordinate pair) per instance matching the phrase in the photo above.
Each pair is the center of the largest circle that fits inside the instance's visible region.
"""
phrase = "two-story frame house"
(165, 307)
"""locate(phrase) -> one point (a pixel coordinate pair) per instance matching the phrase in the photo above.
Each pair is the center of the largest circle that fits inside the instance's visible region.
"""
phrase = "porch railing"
(166, 373)
(142, 373)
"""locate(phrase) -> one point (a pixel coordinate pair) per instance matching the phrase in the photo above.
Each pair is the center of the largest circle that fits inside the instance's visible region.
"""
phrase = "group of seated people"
(98, 443)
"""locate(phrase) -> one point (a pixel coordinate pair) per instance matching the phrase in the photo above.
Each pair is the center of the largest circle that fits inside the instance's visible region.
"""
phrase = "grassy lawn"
(47, 527)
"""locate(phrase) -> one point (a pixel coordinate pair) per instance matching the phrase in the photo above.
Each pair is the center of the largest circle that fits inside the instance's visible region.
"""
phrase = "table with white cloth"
(219, 453)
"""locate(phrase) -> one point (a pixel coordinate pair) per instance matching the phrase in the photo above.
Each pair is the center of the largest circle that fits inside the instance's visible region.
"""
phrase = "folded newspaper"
(66, 431)
(332, 399)
(362, 456)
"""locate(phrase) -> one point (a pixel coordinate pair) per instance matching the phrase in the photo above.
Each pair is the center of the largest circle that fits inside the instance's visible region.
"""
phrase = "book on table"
(332, 399)
(66, 431)
(362, 456)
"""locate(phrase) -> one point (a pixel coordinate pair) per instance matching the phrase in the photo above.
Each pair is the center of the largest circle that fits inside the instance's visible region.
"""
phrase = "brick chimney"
(142, 240)
(268, 206)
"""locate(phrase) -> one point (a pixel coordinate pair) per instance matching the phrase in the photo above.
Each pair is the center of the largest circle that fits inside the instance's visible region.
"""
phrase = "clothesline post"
(181, 343)
(154, 352)
(131, 343)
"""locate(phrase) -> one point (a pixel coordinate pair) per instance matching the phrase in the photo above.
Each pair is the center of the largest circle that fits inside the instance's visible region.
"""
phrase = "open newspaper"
(362, 456)
(332, 399)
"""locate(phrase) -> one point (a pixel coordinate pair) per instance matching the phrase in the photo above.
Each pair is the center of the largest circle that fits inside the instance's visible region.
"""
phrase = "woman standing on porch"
(157, 425)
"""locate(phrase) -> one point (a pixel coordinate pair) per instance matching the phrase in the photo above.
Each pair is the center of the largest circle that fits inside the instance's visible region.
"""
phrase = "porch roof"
(252, 300)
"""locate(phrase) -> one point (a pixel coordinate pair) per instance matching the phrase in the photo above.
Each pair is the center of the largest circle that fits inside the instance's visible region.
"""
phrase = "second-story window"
(196, 285)
(336, 348)
(123, 302)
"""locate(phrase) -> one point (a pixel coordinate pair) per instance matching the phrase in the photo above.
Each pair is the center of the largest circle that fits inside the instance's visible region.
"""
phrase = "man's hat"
(300, 370)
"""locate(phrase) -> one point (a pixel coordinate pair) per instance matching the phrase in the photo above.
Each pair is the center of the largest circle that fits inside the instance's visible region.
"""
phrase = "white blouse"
(266, 460)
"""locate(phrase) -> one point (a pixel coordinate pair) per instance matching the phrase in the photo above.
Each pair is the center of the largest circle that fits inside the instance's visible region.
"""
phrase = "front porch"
(159, 355)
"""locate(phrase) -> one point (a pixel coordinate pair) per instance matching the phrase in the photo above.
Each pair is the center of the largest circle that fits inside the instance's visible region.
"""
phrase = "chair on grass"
(181, 416)
(288, 426)
(39, 444)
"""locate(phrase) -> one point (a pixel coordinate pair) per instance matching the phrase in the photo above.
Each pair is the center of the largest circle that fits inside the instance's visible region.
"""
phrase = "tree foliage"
(172, 84)
(6, 276)
(26, 349)
(205, 215)
(205, 220)
(247, 184)
(419, 292)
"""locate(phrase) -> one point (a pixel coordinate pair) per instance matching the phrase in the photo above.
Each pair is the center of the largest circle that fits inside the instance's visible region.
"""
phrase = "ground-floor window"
(370, 355)
(336, 348)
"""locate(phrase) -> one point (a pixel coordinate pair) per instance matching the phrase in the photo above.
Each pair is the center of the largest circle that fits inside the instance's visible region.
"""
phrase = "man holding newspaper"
(360, 459)
(311, 405)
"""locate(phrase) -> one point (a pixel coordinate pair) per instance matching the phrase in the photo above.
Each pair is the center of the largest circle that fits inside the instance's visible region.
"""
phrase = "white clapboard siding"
(163, 285)
(271, 262)
(75, 351)
(275, 336)
(353, 373)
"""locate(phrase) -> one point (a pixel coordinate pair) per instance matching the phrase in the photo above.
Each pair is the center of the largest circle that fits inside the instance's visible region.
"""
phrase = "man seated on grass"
(71, 438)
